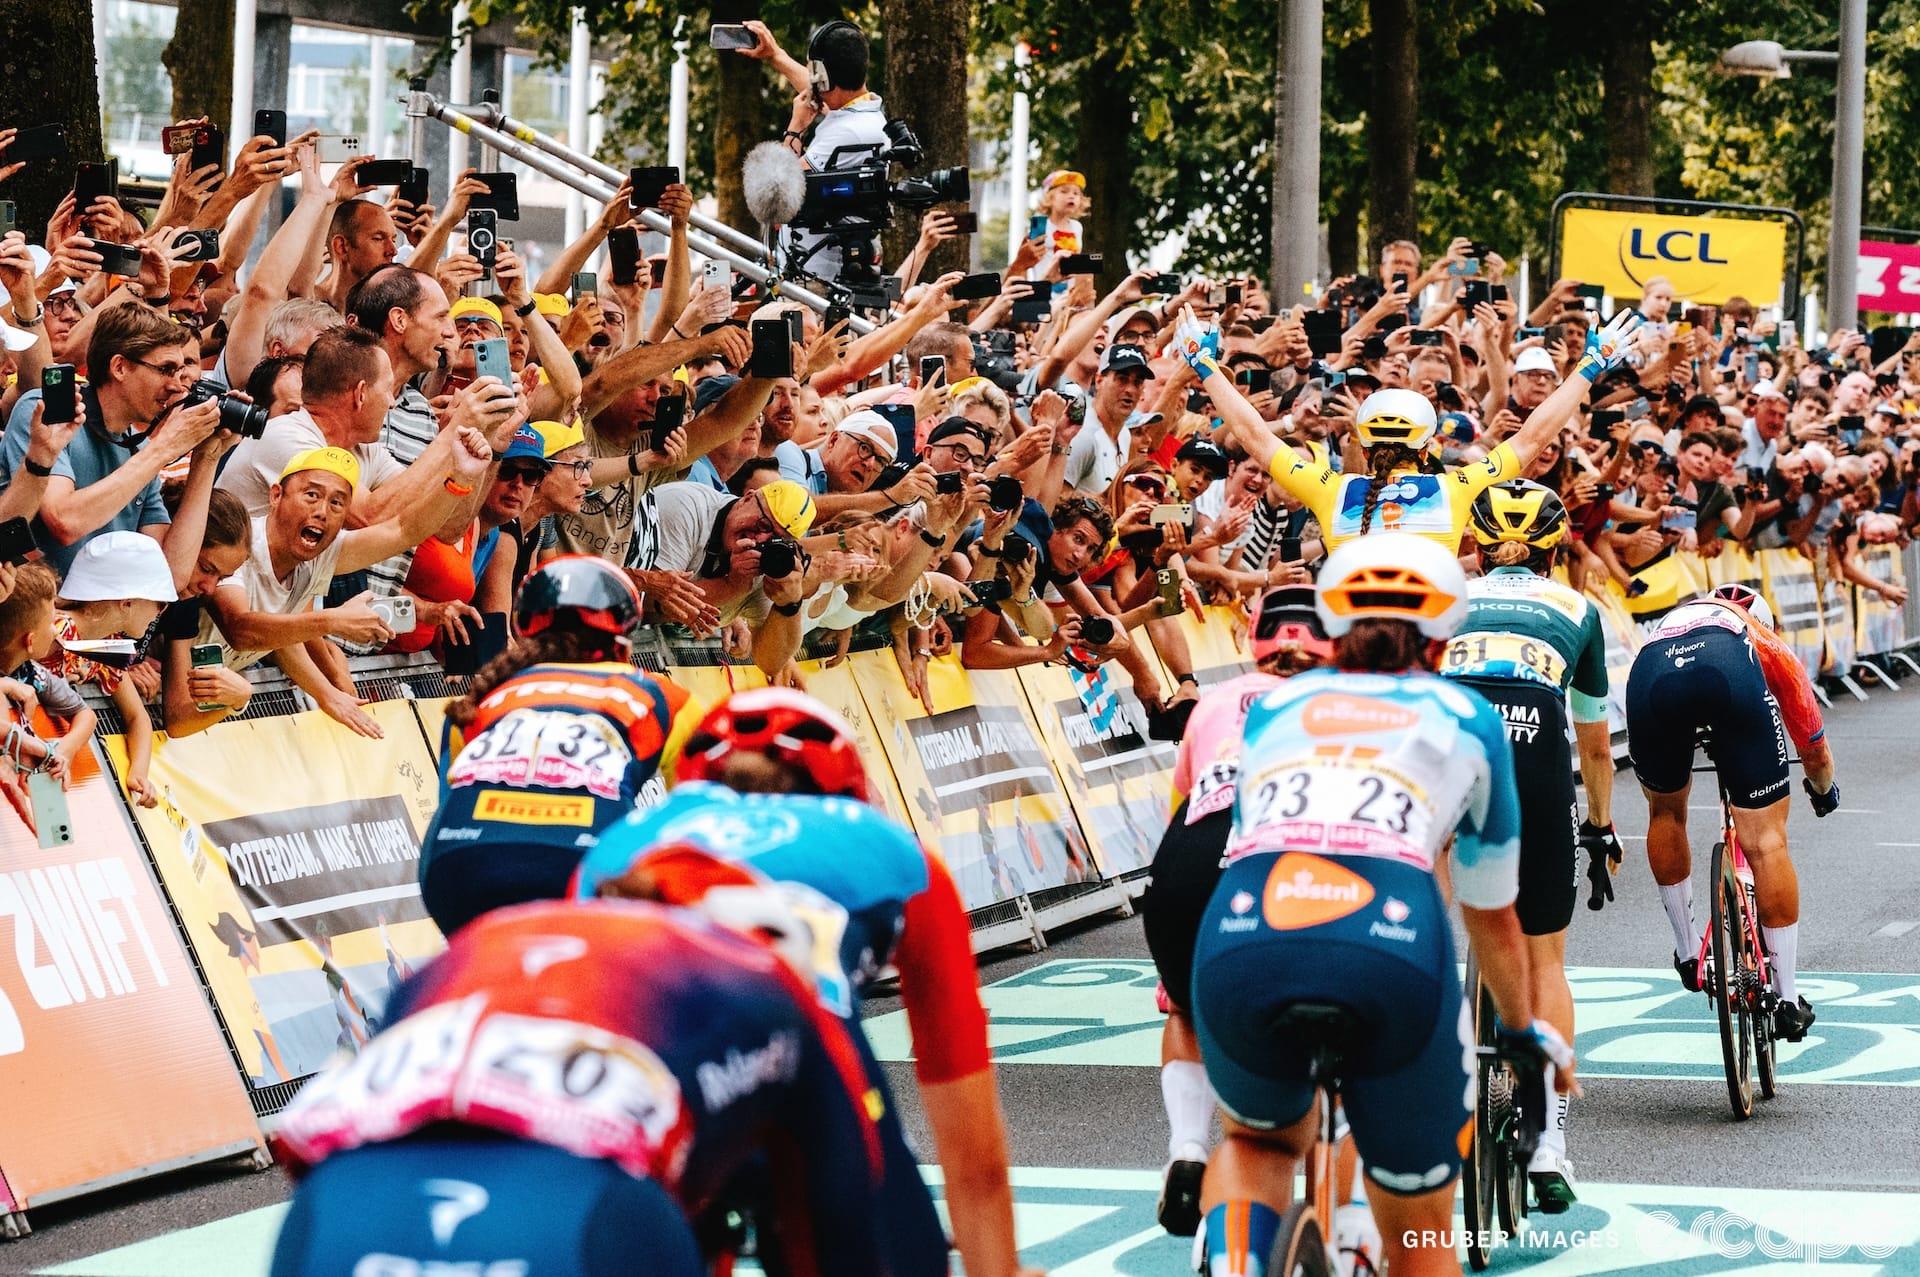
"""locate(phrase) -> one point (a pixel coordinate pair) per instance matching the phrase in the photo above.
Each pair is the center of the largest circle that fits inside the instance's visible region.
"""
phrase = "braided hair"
(1384, 459)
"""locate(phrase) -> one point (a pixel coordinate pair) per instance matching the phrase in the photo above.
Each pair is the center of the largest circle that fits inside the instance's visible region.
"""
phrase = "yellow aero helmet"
(1519, 511)
(1395, 416)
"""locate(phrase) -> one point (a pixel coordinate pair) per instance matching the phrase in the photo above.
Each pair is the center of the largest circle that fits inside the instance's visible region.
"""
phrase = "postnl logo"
(1339, 714)
(1305, 891)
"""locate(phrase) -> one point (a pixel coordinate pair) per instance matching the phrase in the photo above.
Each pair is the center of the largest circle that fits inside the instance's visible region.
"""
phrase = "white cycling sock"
(1783, 947)
(1190, 1102)
(1554, 1134)
(1678, 901)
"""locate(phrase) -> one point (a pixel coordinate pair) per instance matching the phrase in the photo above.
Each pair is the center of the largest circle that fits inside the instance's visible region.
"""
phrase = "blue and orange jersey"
(559, 752)
(870, 891)
(632, 1032)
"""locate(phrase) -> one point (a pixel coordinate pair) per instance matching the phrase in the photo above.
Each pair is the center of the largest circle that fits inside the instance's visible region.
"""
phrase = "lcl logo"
(1673, 246)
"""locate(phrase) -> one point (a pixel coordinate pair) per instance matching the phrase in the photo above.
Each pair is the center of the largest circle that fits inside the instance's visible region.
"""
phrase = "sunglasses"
(1148, 484)
(526, 473)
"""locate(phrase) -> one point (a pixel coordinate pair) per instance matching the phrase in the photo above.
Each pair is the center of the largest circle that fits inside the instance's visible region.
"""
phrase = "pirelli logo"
(534, 809)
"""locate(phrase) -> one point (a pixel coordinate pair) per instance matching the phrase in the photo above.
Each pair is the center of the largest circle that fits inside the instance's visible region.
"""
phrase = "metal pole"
(459, 88)
(1849, 111)
(579, 84)
(243, 40)
(1296, 171)
(677, 102)
(377, 95)
(1017, 158)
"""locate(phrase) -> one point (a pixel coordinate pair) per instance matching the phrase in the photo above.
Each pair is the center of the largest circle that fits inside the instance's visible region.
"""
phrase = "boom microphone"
(775, 184)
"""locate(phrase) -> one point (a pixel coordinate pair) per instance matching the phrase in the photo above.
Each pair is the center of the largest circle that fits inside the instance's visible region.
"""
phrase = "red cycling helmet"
(782, 724)
(1286, 614)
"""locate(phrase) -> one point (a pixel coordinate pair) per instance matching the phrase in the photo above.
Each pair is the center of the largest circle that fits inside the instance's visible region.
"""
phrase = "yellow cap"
(557, 436)
(333, 460)
(965, 384)
(790, 505)
(478, 306)
(552, 305)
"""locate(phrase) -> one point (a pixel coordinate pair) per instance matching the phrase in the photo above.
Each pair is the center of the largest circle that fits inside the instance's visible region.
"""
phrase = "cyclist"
(1403, 488)
(1286, 638)
(1715, 663)
(553, 741)
(791, 807)
(1531, 646)
(1351, 783)
(568, 1082)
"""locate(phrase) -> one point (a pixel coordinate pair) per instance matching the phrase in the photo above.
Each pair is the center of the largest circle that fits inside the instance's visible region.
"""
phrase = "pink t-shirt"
(1208, 761)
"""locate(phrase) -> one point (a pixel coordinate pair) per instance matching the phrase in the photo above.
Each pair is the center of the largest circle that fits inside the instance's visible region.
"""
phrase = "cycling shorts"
(1186, 869)
(458, 886)
(1365, 933)
(1706, 678)
(450, 1201)
(1536, 719)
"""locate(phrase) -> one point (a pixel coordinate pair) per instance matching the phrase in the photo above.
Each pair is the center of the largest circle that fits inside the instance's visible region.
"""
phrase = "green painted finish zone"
(1633, 1023)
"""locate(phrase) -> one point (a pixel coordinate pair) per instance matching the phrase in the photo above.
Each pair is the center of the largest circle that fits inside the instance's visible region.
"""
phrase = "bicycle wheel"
(1478, 1176)
(1300, 1250)
(1730, 999)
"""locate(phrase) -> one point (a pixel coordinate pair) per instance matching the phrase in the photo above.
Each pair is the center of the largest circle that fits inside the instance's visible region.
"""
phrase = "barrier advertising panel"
(110, 1061)
(979, 786)
(1117, 779)
(1877, 621)
(1707, 259)
(291, 850)
(1888, 276)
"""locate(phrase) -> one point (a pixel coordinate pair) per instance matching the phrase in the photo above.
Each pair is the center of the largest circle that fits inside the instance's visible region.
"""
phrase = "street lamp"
(1767, 59)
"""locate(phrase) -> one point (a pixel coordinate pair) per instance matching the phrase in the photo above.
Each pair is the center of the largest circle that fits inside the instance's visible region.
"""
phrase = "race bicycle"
(1493, 1181)
(1734, 970)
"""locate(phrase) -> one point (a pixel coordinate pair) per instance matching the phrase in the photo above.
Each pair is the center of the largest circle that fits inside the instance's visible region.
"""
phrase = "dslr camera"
(779, 557)
(247, 420)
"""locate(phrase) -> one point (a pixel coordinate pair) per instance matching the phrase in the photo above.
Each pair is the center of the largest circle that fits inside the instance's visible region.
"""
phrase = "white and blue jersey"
(1382, 765)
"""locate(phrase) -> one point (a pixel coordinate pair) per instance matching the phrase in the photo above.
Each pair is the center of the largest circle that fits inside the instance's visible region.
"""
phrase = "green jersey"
(1530, 628)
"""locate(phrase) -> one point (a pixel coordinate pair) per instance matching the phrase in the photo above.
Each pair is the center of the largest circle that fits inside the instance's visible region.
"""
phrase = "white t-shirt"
(268, 593)
(685, 514)
(1093, 460)
(858, 131)
(255, 465)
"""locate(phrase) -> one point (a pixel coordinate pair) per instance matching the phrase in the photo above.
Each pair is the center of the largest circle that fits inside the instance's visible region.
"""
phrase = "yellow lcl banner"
(1707, 259)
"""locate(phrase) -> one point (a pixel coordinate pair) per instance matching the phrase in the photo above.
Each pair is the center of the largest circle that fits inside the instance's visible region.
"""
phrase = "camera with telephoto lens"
(847, 207)
(1004, 493)
(778, 558)
(247, 420)
(1096, 631)
(993, 359)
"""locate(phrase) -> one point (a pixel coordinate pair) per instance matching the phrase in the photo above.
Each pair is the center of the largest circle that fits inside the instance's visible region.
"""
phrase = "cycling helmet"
(1745, 596)
(782, 724)
(583, 589)
(1521, 511)
(1395, 416)
(764, 912)
(1285, 614)
(1392, 576)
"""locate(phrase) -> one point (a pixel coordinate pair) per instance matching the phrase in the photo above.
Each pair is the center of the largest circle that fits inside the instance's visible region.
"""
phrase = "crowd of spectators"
(1028, 477)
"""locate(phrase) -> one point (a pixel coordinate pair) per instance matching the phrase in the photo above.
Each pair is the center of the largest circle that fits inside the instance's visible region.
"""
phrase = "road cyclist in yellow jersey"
(1404, 488)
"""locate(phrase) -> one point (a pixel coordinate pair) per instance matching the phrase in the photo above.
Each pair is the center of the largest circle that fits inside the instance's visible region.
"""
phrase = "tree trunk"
(743, 117)
(1626, 58)
(1343, 238)
(926, 51)
(200, 60)
(1100, 152)
(49, 73)
(1393, 125)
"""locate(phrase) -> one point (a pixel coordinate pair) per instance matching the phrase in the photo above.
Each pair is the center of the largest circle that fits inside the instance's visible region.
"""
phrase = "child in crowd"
(26, 633)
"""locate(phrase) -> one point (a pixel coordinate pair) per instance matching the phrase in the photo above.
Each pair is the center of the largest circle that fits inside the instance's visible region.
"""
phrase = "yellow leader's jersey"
(1429, 505)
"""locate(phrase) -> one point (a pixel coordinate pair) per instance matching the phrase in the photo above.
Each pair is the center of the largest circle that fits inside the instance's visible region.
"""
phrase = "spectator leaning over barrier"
(294, 552)
(26, 639)
(1059, 547)
(1763, 433)
(194, 698)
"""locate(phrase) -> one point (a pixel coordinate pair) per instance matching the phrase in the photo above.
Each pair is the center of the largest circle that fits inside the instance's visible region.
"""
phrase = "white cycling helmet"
(1747, 597)
(1392, 576)
(1395, 416)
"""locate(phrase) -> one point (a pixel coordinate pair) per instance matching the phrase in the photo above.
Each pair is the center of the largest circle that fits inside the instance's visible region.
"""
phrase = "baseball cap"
(1064, 177)
(708, 392)
(953, 427)
(790, 505)
(1204, 452)
(1887, 410)
(1123, 356)
(1534, 359)
(477, 306)
(557, 436)
(1127, 316)
(1767, 390)
(19, 339)
(552, 305)
(120, 565)
(333, 460)
(526, 443)
(872, 427)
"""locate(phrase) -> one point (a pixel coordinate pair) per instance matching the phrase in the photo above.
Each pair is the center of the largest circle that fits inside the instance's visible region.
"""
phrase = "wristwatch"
(935, 541)
(523, 311)
(787, 609)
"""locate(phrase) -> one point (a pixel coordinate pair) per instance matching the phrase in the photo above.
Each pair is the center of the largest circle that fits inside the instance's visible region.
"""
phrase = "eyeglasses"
(169, 371)
(866, 450)
(64, 303)
(1147, 484)
(968, 455)
(476, 321)
(582, 470)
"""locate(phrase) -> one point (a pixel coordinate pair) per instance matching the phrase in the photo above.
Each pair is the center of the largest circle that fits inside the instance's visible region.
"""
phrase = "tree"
(1393, 125)
(1626, 76)
(49, 69)
(199, 58)
(926, 74)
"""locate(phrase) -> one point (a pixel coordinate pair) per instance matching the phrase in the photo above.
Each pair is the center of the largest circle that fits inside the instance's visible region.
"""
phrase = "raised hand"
(1607, 346)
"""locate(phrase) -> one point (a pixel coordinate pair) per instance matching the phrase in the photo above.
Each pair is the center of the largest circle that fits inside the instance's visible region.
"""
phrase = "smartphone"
(338, 148)
(205, 656)
(1081, 263)
(209, 147)
(414, 189)
(9, 217)
(772, 349)
(1554, 334)
(490, 360)
(93, 180)
(657, 271)
(44, 142)
(1162, 285)
(1638, 408)
(976, 287)
(1476, 293)
(900, 417)
(1465, 266)
(796, 326)
(1235, 292)
(731, 35)
(1752, 367)
(1291, 550)
(932, 368)
(117, 259)
(1323, 332)
(965, 222)
(1788, 334)
(1175, 512)
(1166, 583)
(399, 172)
(1497, 292)
(1037, 226)
(1198, 401)
(839, 312)
(271, 123)
(623, 254)
(17, 545)
(669, 414)
(483, 236)
(206, 245)
(1853, 424)
(1600, 425)
(503, 195)
(50, 815)
(1727, 376)
(1032, 309)
(57, 405)
(1402, 282)
(585, 284)
(1679, 519)
(1426, 337)
(649, 184)
(714, 275)
(1254, 380)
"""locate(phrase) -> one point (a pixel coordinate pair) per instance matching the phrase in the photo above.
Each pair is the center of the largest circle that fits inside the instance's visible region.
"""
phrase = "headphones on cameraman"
(817, 72)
